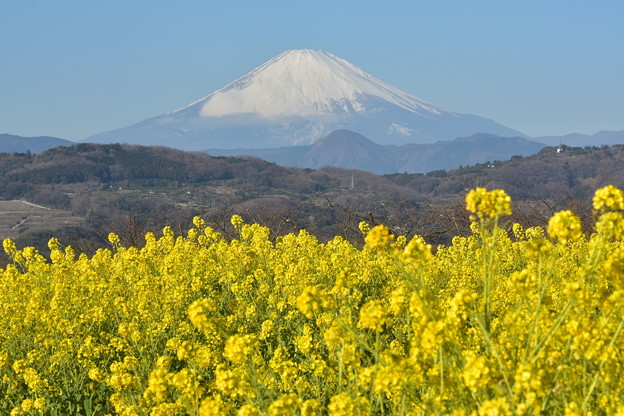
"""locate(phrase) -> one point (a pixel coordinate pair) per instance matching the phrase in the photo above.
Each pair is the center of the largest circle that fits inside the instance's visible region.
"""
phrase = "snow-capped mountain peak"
(296, 98)
(306, 82)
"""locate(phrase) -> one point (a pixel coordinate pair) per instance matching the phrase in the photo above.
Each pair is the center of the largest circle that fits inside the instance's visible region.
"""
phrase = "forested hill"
(565, 172)
(556, 172)
(132, 190)
(114, 163)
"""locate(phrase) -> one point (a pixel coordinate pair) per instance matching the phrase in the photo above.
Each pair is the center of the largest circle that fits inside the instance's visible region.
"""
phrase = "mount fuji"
(297, 98)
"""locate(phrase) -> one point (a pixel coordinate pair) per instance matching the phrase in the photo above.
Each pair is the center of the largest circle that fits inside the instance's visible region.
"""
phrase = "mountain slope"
(604, 137)
(297, 98)
(350, 150)
(463, 151)
(566, 173)
(10, 143)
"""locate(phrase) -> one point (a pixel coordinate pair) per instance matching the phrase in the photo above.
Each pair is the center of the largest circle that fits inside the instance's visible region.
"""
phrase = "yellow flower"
(305, 342)
(373, 316)
(388, 380)
(4, 358)
(53, 244)
(310, 301)
(267, 329)
(564, 226)
(237, 221)
(310, 407)
(609, 198)
(611, 225)
(199, 222)
(238, 348)
(533, 233)
(417, 250)
(233, 383)
(486, 204)
(9, 247)
(286, 404)
(96, 374)
(364, 227)
(343, 404)
(572, 409)
(614, 268)
(214, 406)
(337, 334)
(166, 409)
(495, 407)
(379, 237)
(200, 313)
(518, 231)
(192, 234)
(537, 248)
(114, 239)
(476, 372)
(220, 327)
(39, 404)
(27, 404)
(398, 301)
(248, 410)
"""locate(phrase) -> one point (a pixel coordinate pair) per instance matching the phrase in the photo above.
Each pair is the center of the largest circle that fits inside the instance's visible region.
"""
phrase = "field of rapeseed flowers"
(522, 322)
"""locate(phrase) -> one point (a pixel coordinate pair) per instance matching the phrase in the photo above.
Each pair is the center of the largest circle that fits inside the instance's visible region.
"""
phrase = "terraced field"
(16, 216)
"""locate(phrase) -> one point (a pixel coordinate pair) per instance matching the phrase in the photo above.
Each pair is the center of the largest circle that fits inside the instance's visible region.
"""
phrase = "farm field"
(527, 321)
(18, 215)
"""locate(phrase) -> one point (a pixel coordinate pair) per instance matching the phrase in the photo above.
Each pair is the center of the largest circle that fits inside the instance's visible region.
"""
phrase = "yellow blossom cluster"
(564, 226)
(378, 237)
(488, 204)
(520, 322)
(609, 198)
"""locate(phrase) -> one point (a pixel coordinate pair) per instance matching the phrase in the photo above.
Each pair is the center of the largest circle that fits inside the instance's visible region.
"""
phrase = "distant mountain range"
(309, 108)
(347, 149)
(604, 137)
(297, 98)
(10, 143)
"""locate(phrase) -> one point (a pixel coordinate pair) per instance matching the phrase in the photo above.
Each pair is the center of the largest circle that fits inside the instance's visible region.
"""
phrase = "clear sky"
(72, 69)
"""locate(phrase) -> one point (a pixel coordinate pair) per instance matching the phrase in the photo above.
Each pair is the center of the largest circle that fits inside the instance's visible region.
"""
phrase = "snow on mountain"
(297, 98)
(306, 82)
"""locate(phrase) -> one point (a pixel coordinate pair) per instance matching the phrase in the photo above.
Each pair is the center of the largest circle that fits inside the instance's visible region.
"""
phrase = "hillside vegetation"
(561, 172)
(132, 190)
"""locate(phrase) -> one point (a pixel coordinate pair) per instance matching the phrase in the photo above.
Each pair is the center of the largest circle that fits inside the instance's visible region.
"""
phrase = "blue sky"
(72, 69)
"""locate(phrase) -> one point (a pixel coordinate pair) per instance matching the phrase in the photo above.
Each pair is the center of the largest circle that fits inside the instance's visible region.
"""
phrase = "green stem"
(542, 343)
(490, 347)
(589, 265)
(602, 363)
(488, 265)
(441, 352)
(542, 286)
